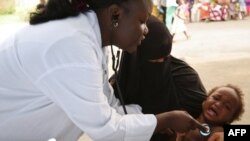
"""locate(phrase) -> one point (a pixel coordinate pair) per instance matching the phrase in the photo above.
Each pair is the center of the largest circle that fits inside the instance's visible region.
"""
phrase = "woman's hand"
(180, 121)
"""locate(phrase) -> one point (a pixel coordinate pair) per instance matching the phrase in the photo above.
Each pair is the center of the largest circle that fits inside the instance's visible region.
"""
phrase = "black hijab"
(146, 78)
(159, 87)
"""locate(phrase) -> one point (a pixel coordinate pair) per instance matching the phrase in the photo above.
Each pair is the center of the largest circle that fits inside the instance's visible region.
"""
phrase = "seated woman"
(223, 105)
(157, 81)
(204, 10)
(218, 12)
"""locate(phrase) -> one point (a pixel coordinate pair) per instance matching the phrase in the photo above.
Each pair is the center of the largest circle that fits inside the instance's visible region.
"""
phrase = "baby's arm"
(217, 136)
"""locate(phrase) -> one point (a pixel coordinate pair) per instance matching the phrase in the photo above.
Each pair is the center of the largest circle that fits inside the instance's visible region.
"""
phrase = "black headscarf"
(160, 87)
(138, 78)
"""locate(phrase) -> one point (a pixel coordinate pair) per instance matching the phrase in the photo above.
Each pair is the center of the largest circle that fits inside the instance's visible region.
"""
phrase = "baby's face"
(220, 106)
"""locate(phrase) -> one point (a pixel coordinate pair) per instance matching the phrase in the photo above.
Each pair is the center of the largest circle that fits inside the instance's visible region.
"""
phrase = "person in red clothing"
(205, 10)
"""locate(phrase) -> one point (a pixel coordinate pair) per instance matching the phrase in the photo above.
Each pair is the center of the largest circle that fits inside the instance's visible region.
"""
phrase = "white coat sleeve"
(74, 81)
(83, 101)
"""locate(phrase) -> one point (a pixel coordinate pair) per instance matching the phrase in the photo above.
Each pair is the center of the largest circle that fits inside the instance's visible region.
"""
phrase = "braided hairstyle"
(60, 9)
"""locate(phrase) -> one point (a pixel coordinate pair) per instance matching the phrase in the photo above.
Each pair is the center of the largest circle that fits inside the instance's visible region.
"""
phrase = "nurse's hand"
(180, 121)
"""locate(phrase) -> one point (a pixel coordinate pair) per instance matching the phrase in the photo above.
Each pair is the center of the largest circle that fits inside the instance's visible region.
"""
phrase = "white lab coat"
(54, 84)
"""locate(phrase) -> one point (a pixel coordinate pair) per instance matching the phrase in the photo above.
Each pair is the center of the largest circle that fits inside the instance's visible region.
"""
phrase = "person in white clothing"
(180, 19)
(54, 79)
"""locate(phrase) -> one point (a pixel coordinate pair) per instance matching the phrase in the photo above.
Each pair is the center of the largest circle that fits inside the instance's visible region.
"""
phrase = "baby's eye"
(215, 97)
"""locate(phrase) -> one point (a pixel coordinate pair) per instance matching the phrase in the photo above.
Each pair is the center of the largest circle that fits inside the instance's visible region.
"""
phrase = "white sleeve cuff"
(140, 127)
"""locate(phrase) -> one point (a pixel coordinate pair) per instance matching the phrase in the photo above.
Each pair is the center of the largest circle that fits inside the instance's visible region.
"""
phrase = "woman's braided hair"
(60, 9)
